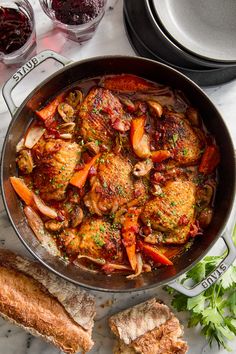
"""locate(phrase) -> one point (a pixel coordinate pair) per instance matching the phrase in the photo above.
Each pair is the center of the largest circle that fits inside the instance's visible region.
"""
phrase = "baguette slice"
(149, 327)
(44, 304)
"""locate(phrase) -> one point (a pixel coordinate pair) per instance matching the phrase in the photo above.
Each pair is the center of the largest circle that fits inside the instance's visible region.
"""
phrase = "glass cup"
(17, 31)
(68, 16)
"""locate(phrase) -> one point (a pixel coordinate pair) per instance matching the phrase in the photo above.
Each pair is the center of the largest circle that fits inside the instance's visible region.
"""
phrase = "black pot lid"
(205, 77)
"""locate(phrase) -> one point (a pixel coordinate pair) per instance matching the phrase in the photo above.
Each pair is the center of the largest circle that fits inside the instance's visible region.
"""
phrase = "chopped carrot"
(154, 254)
(22, 190)
(79, 178)
(170, 251)
(127, 83)
(210, 159)
(129, 230)
(160, 155)
(139, 140)
(131, 253)
(48, 112)
(137, 130)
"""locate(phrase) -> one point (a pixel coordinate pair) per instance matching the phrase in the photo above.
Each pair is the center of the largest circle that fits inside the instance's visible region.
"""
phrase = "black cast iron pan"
(151, 70)
(204, 77)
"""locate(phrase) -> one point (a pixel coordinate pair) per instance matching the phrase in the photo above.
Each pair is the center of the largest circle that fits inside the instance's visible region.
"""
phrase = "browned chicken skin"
(179, 137)
(112, 186)
(99, 110)
(172, 211)
(96, 238)
(55, 161)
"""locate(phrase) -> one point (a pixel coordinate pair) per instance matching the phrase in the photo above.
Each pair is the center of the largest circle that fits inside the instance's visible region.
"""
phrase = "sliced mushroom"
(74, 98)
(142, 168)
(66, 112)
(76, 216)
(205, 195)
(93, 146)
(25, 161)
(205, 217)
(54, 225)
(193, 116)
(67, 127)
(156, 189)
(155, 108)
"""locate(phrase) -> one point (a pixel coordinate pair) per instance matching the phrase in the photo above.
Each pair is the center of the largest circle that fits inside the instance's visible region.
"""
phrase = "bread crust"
(149, 327)
(164, 339)
(44, 304)
(137, 320)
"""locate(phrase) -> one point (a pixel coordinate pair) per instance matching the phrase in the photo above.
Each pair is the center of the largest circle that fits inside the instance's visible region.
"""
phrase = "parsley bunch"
(215, 309)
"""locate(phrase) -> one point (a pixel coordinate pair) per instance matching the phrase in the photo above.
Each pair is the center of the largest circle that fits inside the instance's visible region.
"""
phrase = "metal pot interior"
(152, 71)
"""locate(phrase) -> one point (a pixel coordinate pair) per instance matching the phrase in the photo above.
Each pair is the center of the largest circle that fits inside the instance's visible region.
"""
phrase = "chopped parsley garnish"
(95, 110)
(98, 240)
(161, 195)
(120, 191)
(175, 137)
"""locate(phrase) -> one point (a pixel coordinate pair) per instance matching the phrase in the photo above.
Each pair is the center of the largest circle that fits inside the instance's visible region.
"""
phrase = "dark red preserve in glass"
(15, 29)
(76, 12)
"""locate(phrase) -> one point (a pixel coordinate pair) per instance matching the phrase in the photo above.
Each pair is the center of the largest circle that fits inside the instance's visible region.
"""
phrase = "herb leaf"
(215, 308)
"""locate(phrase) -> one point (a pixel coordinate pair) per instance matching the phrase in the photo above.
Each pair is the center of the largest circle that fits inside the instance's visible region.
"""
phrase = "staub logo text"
(25, 69)
(214, 276)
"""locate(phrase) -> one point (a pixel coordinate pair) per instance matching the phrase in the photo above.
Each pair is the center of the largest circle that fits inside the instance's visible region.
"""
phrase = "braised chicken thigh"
(55, 161)
(99, 112)
(172, 211)
(179, 137)
(112, 186)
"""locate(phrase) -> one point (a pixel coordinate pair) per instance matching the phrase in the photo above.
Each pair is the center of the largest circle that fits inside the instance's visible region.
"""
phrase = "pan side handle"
(26, 69)
(213, 276)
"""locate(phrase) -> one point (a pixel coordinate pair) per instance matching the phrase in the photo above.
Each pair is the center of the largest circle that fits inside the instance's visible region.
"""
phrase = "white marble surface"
(109, 39)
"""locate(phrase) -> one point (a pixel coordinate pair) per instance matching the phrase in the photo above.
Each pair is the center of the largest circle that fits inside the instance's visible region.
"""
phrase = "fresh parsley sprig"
(215, 309)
